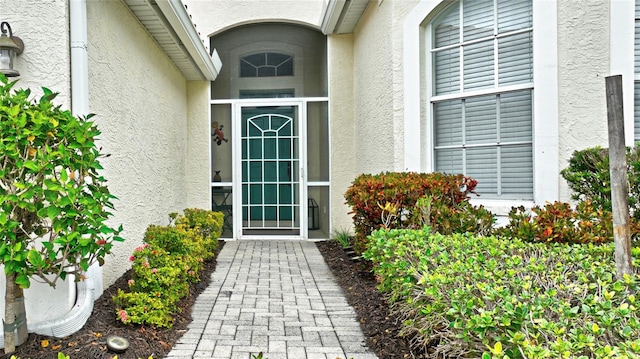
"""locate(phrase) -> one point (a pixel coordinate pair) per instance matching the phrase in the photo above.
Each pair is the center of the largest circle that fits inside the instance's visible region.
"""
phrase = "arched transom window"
(266, 64)
(481, 94)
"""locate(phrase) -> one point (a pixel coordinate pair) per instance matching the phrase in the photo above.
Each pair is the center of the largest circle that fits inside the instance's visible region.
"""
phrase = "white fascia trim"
(621, 58)
(331, 16)
(177, 16)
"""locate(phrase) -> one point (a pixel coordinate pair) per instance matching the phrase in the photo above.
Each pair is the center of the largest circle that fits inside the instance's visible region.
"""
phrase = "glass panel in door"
(270, 170)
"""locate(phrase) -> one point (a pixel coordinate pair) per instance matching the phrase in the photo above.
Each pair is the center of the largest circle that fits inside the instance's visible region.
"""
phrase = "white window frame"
(622, 50)
(295, 82)
(417, 115)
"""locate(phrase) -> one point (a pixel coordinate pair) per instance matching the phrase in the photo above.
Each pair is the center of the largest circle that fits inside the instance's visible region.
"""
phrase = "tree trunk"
(15, 320)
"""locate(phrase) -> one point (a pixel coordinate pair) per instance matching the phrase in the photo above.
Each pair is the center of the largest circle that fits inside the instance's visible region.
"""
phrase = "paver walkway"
(275, 297)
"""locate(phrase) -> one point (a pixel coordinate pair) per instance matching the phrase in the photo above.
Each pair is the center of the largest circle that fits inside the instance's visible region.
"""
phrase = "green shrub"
(589, 178)
(472, 297)
(388, 200)
(142, 308)
(163, 267)
(207, 223)
(557, 222)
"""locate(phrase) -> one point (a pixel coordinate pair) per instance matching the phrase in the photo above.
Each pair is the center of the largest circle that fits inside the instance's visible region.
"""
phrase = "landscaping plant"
(388, 200)
(54, 203)
(343, 237)
(588, 177)
(558, 222)
(166, 264)
(486, 297)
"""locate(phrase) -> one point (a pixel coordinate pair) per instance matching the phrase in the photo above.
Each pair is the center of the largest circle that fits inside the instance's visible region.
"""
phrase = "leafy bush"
(388, 200)
(468, 296)
(207, 223)
(558, 222)
(589, 178)
(171, 258)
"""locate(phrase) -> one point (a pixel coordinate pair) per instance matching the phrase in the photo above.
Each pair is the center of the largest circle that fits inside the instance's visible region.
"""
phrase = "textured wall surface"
(211, 17)
(378, 87)
(583, 63)
(45, 60)
(198, 177)
(343, 155)
(140, 101)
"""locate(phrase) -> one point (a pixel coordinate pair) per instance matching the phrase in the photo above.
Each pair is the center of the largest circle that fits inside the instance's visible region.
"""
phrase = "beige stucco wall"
(583, 63)
(45, 60)
(140, 100)
(212, 17)
(378, 86)
(343, 155)
(197, 176)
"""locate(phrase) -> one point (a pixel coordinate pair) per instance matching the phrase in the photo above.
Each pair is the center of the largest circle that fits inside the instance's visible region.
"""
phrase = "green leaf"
(53, 212)
(23, 281)
(52, 185)
(63, 175)
(35, 259)
(32, 166)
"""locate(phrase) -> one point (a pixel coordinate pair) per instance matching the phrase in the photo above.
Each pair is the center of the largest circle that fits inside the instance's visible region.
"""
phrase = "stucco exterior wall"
(378, 83)
(343, 155)
(198, 177)
(140, 101)
(583, 63)
(45, 60)
(212, 17)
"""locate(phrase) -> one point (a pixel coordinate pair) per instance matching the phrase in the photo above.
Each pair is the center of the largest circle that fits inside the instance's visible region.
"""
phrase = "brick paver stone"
(275, 297)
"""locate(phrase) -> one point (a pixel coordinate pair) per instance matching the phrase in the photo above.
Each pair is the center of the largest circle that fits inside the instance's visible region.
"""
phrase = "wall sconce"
(10, 47)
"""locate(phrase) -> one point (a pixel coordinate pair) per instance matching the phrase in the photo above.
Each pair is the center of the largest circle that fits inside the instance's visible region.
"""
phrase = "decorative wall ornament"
(218, 135)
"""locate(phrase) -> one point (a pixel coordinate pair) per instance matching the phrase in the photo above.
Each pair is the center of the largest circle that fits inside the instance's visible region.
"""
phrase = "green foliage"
(388, 200)
(589, 178)
(163, 267)
(208, 224)
(53, 202)
(487, 297)
(343, 237)
(557, 222)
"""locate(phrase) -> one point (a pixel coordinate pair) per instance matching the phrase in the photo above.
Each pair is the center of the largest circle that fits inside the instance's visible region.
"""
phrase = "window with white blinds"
(636, 70)
(482, 61)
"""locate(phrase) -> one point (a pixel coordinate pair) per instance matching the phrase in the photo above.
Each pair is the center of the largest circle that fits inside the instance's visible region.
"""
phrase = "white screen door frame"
(267, 116)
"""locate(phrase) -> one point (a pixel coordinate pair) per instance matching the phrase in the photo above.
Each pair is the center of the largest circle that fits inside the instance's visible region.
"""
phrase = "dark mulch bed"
(380, 328)
(358, 283)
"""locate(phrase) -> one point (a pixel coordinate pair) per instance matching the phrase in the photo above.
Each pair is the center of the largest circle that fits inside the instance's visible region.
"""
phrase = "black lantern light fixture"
(314, 217)
(10, 47)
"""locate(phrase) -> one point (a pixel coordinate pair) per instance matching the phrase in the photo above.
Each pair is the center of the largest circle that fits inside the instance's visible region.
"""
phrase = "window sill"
(500, 207)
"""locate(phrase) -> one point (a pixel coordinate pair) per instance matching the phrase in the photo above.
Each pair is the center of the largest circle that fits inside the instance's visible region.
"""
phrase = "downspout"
(80, 87)
(83, 293)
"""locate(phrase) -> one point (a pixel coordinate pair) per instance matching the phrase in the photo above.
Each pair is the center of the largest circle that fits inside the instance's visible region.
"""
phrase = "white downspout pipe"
(80, 87)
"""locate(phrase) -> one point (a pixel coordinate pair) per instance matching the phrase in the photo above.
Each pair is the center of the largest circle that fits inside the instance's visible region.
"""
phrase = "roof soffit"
(168, 22)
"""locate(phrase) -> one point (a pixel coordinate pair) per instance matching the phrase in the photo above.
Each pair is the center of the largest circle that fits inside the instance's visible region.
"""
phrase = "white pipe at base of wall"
(73, 320)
